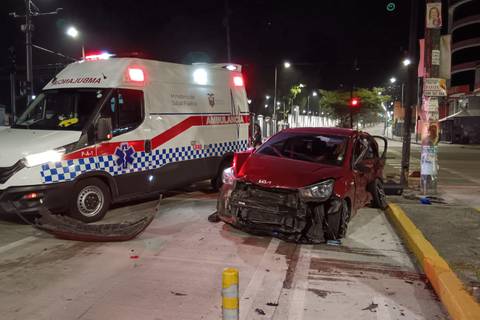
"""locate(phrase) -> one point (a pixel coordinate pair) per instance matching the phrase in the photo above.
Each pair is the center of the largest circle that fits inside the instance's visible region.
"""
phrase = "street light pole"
(275, 96)
(28, 46)
(412, 51)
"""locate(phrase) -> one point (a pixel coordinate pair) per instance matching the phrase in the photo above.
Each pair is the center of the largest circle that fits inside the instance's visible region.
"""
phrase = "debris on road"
(67, 228)
(372, 307)
(334, 242)
(272, 304)
(260, 311)
(180, 294)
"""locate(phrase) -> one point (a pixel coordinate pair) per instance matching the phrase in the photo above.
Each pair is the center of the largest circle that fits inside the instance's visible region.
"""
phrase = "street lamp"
(393, 80)
(286, 65)
(74, 33)
(267, 97)
(406, 62)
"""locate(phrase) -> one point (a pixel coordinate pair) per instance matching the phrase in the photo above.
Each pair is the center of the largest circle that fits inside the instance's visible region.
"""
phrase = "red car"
(304, 184)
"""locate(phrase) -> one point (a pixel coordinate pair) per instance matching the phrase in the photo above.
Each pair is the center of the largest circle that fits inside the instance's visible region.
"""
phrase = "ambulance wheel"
(217, 182)
(90, 200)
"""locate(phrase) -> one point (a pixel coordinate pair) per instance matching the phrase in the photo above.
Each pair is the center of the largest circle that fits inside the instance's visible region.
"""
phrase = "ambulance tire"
(217, 182)
(90, 200)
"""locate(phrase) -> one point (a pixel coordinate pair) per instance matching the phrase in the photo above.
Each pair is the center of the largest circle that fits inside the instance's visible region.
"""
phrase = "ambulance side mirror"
(104, 129)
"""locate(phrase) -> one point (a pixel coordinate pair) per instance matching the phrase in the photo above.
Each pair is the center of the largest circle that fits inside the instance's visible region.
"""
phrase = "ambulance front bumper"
(28, 199)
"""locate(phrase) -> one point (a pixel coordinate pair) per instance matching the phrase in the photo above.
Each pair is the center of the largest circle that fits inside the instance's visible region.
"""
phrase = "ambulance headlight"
(37, 159)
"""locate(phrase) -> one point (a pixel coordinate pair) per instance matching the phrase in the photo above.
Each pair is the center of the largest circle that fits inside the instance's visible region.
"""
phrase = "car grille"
(270, 206)
(7, 172)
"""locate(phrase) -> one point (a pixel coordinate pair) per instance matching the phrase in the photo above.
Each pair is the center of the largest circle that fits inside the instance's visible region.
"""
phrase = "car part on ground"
(283, 213)
(67, 228)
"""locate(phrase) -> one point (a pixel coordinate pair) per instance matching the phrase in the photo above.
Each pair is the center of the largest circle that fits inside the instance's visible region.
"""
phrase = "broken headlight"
(318, 192)
(228, 176)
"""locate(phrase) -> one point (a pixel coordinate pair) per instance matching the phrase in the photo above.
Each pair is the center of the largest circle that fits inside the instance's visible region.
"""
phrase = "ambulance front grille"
(7, 172)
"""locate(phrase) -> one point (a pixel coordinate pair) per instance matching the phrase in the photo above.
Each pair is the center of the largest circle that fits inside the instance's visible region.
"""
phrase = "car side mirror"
(104, 129)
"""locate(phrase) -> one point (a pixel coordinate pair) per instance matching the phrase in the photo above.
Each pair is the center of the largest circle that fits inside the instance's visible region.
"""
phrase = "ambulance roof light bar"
(98, 56)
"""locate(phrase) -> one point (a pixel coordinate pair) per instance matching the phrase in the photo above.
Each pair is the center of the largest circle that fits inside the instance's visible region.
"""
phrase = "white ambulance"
(114, 129)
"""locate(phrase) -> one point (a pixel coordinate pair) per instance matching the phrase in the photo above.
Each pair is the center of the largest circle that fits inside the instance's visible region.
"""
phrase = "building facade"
(463, 123)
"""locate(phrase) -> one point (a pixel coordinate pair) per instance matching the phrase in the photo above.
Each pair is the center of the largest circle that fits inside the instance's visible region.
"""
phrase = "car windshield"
(65, 109)
(323, 149)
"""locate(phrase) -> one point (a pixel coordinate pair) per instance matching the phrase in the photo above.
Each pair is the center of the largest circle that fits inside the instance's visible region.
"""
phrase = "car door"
(360, 176)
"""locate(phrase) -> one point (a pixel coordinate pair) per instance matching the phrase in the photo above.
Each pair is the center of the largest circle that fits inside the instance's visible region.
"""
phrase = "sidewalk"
(454, 232)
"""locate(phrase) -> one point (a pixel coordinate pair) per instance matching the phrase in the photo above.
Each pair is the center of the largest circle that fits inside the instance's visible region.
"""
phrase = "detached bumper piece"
(71, 229)
(277, 212)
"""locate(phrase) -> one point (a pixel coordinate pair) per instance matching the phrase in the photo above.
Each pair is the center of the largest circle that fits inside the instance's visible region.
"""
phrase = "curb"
(458, 302)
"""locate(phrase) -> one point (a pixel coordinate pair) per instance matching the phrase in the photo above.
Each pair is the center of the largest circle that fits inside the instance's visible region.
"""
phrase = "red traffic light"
(355, 102)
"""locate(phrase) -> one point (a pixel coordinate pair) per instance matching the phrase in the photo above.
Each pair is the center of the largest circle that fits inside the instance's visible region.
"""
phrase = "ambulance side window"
(125, 107)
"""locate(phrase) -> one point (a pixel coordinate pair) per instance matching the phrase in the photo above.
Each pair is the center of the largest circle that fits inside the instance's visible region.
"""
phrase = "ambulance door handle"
(148, 146)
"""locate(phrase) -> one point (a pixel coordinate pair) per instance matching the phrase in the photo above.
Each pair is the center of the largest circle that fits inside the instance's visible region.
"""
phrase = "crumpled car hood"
(276, 172)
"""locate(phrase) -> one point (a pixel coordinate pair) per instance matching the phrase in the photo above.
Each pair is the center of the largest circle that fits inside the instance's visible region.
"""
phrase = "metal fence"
(270, 126)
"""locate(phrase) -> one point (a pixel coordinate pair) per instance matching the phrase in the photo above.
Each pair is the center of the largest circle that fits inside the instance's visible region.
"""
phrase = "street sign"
(434, 87)
(430, 104)
(436, 57)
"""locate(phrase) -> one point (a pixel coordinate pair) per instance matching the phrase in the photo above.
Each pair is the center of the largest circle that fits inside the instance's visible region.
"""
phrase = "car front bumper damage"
(277, 212)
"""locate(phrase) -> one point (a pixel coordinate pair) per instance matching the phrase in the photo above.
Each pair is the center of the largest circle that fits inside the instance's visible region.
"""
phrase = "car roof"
(323, 130)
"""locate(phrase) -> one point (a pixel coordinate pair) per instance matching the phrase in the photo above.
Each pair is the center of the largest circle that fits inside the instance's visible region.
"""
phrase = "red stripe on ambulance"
(108, 148)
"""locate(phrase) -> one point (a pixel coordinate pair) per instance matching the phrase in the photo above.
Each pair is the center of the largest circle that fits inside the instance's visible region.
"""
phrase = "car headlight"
(228, 176)
(36, 159)
(318, 192)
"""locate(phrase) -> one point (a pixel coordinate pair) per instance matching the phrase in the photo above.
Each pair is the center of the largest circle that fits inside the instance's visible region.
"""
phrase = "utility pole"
(410, 93)
(227, 30)
(433, 88)
(13, 91)
(31, 10)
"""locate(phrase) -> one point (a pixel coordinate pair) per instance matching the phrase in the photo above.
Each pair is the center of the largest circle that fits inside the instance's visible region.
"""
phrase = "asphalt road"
(173, 271)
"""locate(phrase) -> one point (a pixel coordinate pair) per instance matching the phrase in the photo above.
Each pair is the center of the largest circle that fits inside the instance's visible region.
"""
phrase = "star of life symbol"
(125, 155)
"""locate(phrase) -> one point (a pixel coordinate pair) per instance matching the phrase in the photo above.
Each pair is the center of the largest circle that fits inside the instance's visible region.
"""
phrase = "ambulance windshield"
(65, 109)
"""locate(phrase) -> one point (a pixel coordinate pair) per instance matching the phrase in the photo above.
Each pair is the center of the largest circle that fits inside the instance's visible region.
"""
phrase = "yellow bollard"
(230, 294)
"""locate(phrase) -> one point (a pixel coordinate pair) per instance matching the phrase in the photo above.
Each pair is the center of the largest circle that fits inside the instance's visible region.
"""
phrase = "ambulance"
(110, 129)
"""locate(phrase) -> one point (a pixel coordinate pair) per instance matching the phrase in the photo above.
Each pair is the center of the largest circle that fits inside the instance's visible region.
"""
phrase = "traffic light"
(354, 102)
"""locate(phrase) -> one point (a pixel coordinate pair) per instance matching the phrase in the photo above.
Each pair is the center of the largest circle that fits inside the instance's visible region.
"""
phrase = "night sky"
(324, 37)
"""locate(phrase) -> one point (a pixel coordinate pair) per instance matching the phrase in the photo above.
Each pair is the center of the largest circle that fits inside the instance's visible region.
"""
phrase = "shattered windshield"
(323, 149)
(65, 109)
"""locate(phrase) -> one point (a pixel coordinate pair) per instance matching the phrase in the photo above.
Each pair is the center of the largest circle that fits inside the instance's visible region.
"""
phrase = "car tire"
(90, 200)
(379, 199)
(217, 182)
(336, 223)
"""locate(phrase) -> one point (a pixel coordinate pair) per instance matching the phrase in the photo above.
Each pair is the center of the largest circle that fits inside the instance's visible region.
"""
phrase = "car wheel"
(378, 193)
(90, 200)
(217, 182)
(336, 223)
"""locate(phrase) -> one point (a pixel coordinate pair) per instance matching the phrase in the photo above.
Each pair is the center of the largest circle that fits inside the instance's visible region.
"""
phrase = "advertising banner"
(434, 15)
(434, 87)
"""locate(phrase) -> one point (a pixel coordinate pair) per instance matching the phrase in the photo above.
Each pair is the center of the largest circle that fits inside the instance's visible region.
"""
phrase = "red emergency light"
(98, 56)
(136, 75)
(238, 81)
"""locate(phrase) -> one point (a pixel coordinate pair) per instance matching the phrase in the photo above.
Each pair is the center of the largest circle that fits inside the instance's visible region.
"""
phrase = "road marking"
(300, 282)
(253, 286)
(17, 244)
(461, 175)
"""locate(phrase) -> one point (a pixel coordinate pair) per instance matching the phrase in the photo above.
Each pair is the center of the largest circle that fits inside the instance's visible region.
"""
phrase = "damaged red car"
(304, 184)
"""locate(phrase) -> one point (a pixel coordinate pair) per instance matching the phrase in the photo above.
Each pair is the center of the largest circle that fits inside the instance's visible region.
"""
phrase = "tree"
(336, 105)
